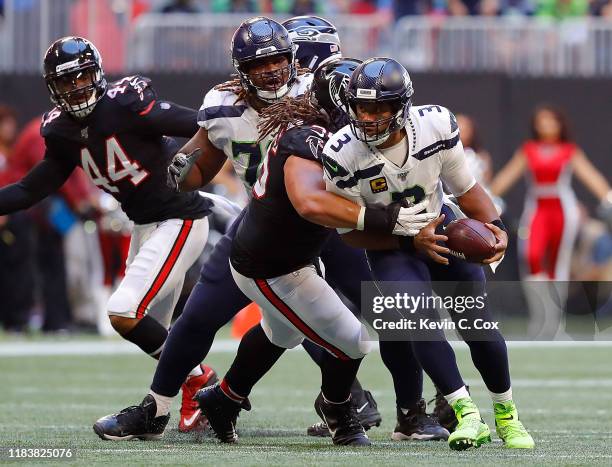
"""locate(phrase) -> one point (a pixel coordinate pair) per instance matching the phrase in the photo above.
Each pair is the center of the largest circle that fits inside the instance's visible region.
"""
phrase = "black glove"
(179, 168)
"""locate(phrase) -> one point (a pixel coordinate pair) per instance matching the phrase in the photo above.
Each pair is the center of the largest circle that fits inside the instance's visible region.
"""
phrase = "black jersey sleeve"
(152, 114)
(170, 119)
(303, 141)
(45, 178)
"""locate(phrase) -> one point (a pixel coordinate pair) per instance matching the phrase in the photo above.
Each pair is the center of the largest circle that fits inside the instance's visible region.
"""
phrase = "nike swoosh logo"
(189, 421)
(332, 432)
(333, 167)
(511, 417)
(360, 409)
(466, 414)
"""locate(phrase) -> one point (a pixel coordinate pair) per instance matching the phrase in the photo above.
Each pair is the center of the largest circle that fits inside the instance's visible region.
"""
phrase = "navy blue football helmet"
(329, 86)
(315, 38)
(374, 82)
(260, 38)
(74, 76)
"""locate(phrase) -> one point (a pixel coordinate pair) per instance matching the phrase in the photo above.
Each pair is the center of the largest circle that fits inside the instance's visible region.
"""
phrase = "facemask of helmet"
(74, 75)
(376, 132)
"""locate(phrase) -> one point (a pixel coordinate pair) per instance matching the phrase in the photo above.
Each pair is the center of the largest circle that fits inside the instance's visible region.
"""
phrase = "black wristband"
(377, 220)
(406, 243)
(499, 224)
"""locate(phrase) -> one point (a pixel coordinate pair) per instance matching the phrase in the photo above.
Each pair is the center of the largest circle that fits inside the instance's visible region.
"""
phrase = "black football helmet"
(259, 38)
(329, 86)
(316, 40)
(377, 81)
(74, 76)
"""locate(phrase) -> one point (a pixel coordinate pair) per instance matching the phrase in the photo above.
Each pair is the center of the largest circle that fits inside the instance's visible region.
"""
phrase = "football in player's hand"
(470, 240)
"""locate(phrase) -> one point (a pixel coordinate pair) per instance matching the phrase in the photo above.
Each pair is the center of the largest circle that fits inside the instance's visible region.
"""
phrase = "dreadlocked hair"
(234, 85)
(277, 117)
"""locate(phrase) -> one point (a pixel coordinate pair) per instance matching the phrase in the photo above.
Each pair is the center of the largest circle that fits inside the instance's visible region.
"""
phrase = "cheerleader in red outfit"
(549, 223)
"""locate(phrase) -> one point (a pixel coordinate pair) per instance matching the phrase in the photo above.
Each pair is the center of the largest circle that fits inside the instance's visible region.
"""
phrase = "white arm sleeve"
(455, 172)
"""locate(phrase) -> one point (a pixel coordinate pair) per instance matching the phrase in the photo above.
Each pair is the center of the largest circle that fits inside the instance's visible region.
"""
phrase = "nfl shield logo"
(402, 176)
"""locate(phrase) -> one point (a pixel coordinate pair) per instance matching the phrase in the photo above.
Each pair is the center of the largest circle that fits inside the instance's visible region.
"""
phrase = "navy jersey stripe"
(359, 175)
(221, 111)
(436, 148)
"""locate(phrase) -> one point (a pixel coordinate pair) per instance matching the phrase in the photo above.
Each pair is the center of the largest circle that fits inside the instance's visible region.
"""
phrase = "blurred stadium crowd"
(395, 9)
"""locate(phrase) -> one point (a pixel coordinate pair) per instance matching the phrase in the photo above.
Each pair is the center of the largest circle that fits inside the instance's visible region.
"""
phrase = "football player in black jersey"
(275, 262)
(116, 133)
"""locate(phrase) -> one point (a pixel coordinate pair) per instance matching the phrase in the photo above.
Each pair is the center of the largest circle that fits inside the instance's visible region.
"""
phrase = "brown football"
(470, 240)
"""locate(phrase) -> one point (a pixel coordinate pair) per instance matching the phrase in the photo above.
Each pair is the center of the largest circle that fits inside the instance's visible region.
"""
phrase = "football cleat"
(137, 421)
(365, 407)
(509, 428)
(221, 412)
(418, 425)
(444, 412)
(191, 416)
(471, 431)
(342, 422)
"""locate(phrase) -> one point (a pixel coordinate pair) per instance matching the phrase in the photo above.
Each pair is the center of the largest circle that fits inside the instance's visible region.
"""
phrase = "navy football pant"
(489, 355)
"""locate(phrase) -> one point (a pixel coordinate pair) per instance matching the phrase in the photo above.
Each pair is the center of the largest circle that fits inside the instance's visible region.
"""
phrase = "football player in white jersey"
(393, 152)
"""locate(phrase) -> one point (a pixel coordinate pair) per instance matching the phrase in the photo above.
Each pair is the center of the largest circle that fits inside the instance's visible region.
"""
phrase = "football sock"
(337, 376)
(256, 355)
(501, 396)
(231, 394)
(334, 403)
(210, 306)
(197, 371)
(454, 396)
(438, 360)
(314, 351)
(149, 335)
(405, 370)
(162, 403)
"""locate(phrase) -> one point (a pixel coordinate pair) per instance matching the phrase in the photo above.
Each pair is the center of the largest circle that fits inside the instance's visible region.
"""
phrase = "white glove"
(409, 221)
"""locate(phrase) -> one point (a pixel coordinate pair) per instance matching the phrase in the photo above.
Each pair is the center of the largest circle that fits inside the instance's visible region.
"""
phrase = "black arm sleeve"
(45, 178)
(170, 119)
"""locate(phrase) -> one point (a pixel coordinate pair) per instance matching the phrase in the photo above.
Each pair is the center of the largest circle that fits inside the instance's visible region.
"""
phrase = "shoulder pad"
(441, 120)
(55, 122)
(134, 92)
(306, 141)
(301, 85)
(220, 104)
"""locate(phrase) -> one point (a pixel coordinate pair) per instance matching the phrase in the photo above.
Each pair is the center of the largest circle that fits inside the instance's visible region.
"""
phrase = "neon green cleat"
(509, 428)
(471, 431)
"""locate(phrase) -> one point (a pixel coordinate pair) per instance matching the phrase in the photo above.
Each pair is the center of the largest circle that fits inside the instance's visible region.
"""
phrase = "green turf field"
(564, 397)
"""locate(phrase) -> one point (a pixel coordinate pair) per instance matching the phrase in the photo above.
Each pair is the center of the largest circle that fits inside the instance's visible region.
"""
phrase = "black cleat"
(365, 407)
(221, 411)
(418, 425)
(342, 422)
(444, 412)
(137, 421)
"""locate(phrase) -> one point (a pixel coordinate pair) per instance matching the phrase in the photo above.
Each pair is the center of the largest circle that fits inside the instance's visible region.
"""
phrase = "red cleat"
(191, 417)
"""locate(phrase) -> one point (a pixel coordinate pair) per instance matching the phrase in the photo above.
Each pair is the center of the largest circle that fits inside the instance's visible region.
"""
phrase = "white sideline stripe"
(24, 349)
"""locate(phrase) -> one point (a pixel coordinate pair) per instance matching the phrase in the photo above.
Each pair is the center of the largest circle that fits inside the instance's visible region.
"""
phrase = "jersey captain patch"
(379, 185)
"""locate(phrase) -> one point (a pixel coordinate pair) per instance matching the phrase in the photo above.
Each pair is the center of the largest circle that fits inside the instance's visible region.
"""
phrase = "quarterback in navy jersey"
(394, 152)
(118, 133)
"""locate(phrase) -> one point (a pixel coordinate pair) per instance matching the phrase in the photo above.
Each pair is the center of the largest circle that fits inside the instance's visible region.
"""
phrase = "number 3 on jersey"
(114, 152)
